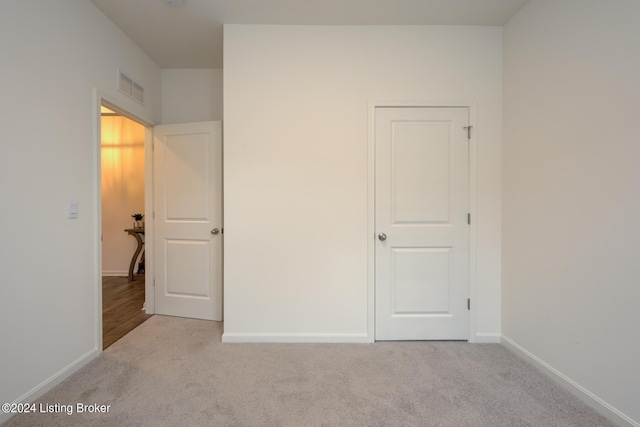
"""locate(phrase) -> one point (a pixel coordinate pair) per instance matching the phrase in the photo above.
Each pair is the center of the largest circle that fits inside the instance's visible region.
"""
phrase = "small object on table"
(137, 220)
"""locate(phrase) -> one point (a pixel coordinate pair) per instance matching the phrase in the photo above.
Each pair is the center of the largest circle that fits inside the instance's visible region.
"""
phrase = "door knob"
(215, 231)
(382, 237)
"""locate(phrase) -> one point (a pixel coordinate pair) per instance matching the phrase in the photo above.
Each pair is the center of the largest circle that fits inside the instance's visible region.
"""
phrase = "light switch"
(72, 209)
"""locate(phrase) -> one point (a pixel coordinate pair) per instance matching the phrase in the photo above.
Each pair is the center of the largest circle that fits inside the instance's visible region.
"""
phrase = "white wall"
(570, 195)
(122, 190)
(191, 95)
(53, 54)
(296, 166)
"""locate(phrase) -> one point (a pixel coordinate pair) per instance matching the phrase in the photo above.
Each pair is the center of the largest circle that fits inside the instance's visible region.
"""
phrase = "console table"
(138, 233)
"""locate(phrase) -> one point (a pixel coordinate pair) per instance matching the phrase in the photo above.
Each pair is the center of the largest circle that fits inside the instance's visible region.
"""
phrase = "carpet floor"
(175, 372)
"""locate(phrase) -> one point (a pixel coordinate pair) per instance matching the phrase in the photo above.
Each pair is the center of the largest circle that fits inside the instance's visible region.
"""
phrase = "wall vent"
(129, 87)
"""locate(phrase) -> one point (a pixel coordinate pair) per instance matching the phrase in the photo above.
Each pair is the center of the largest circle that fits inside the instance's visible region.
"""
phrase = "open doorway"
(122, 158)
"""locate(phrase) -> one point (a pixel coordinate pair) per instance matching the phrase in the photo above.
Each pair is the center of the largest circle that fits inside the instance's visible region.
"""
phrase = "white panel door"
(422, 231)
(188, 211)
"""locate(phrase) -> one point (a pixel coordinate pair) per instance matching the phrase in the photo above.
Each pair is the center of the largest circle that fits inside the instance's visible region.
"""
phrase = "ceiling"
(191, 36)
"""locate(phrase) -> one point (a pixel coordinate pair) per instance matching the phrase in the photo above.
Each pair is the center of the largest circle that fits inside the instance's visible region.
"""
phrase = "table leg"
(135, 255)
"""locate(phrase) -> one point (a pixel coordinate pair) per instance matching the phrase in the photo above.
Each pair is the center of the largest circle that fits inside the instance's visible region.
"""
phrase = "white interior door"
(422, 231)
(188, 211)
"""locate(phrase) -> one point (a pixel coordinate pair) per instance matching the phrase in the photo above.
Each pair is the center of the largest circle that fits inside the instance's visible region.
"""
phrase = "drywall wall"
(571, 206)
(295, 166)
(53, 55)
(122, 190)
(191, 95)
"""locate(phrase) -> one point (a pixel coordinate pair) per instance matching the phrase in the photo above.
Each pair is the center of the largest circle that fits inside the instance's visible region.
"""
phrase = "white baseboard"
(52, 381)
(585, 395)
(486, 338)
(114, 273)
(231, 337)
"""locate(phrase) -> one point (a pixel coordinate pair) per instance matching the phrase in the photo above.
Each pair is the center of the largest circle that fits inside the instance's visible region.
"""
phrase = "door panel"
(420, 281)
(422, 202)
(420, 165)
(187, 268)
(187, 164)
(187, 206)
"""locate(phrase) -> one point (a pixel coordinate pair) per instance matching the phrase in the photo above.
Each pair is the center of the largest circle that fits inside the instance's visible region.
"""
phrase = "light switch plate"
(72, 209)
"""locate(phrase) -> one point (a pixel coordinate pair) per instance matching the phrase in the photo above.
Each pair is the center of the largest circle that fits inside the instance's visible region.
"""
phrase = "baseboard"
(112, 273)
(486, 338)
(231, 337)
(585, 395)
(52, 381)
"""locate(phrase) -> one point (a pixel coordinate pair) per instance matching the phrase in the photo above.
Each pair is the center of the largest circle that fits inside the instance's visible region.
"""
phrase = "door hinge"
(153, 215)
(468, 128)
(468, 303)
(469, 218)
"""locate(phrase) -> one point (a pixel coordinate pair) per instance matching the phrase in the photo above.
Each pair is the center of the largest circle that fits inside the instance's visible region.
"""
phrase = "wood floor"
(122, 302)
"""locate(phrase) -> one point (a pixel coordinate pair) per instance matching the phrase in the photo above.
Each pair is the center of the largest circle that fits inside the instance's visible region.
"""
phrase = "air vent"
(129, 87)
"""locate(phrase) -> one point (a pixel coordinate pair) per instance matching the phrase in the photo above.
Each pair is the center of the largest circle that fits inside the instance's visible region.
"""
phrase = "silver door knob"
(382, 237)
(215, 231)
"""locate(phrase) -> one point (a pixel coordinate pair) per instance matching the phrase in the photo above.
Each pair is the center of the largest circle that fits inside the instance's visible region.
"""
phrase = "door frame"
(473, 195)
(100, 98)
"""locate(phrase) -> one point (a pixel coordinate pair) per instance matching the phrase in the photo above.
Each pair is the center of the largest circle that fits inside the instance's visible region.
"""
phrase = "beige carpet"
(176, 372)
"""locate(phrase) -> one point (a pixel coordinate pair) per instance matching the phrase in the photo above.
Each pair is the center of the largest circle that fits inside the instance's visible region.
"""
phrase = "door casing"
(473, 193)
(100, 98)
